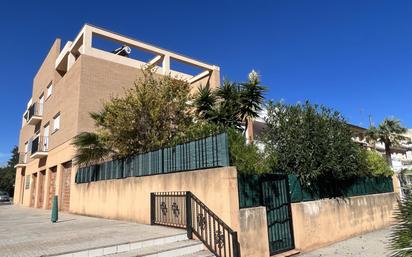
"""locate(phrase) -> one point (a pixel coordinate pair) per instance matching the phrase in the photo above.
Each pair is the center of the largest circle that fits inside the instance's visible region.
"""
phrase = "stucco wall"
(323, 222)
(253, 233)
(129, 198)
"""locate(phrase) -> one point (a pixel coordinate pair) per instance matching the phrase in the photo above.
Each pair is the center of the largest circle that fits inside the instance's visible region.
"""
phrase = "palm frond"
(90, 148)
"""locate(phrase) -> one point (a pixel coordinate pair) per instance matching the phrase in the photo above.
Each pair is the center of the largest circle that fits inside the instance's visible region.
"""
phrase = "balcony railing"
(39, 147)
(23, 159)
(35, 113)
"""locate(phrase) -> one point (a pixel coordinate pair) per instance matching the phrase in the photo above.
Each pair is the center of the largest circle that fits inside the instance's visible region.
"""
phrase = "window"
(40, 107)
(46, 137)
(27, 182)
(49, 90)
(56, 122)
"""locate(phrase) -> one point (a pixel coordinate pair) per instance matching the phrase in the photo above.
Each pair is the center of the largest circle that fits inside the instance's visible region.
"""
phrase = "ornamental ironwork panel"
(187, 211)
(201, 221)
(175, 210)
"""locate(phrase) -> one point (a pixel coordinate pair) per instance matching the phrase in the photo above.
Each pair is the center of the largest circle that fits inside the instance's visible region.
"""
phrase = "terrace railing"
(185, 210)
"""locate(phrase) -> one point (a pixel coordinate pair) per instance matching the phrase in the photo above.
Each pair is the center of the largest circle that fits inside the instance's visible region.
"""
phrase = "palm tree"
(228, 109)
(232, 104)
(90, 148)
(204, 102)
(251, 98)
(389, 132)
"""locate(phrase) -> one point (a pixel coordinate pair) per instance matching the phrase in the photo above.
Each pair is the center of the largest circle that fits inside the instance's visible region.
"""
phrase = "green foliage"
(246, 157)
(146, 117)
(8, 173)
(251, 97)
(312, 142)
(376, 164)
(90, 148)
(401, 237)
(205, 102)
(389, 132)
(233, 104)
(227, 112)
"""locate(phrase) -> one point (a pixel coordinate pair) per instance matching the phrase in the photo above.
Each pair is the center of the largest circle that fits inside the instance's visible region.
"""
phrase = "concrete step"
(123, 247)
(203, 253)
(181, 248)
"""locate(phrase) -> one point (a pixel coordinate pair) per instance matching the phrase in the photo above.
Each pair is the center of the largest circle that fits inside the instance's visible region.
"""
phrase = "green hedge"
(204, 153)
(249, 187)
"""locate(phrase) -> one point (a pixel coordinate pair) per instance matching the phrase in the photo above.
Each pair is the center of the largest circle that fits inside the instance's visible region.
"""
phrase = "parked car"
(4, 197)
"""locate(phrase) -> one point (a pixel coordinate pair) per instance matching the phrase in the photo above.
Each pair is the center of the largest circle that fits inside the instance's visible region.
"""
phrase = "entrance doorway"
(33, 190)
(66, 181)
(42, 175)
(52, 187)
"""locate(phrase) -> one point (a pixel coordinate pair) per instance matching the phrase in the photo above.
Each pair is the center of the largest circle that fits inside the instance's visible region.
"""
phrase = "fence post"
(189, 215)
(152, 209)
(236, 246)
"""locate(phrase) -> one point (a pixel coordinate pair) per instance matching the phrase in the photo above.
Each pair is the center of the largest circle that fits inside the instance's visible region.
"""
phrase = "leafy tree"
(14, 160)
(401, 237)
(314, 143)
(8, 173)
(246, 157)
(376, 164)
(147, 116)
(389, 132)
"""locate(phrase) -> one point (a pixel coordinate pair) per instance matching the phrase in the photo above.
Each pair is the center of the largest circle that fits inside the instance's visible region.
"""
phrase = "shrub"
(246, 157)
(377, 165)
(314, 143)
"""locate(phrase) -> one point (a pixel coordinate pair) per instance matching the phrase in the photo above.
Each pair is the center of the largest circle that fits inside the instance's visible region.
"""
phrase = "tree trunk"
(388, 153)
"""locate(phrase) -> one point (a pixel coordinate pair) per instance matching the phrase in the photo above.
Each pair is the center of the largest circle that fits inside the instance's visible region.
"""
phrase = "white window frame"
(56, 118)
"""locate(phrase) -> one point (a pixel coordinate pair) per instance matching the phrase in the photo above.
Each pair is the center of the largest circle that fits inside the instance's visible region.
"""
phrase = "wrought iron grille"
(185, 210)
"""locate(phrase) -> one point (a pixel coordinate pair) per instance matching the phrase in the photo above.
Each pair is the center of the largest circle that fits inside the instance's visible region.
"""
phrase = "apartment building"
(73, 81)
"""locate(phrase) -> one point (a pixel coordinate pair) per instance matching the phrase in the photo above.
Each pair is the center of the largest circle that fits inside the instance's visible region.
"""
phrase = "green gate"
(276, 198)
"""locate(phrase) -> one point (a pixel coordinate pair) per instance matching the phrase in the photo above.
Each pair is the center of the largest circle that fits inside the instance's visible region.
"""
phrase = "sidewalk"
(374, 244)
(29, 232)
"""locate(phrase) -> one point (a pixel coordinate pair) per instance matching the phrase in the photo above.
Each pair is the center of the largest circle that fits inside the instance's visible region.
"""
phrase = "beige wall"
(253, 233)
(102, 79)
(129, 198)
(323, 222)
(55, 158)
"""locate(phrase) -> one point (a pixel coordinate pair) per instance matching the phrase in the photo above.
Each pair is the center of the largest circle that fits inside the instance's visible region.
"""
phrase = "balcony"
(39, 147)
(23, 159)
(34, 113)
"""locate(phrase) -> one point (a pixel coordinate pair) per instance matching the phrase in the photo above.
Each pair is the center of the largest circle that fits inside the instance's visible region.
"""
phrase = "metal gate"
(276, 198)
(185, 210)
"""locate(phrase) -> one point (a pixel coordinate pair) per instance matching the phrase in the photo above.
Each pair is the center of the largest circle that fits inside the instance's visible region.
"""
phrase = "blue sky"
(354, 56)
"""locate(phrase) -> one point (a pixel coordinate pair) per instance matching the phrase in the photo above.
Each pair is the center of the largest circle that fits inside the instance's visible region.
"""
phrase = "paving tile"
(29, 232)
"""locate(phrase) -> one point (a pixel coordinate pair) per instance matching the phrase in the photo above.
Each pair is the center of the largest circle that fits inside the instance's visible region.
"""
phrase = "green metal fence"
(250, 189)
(208, 152)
